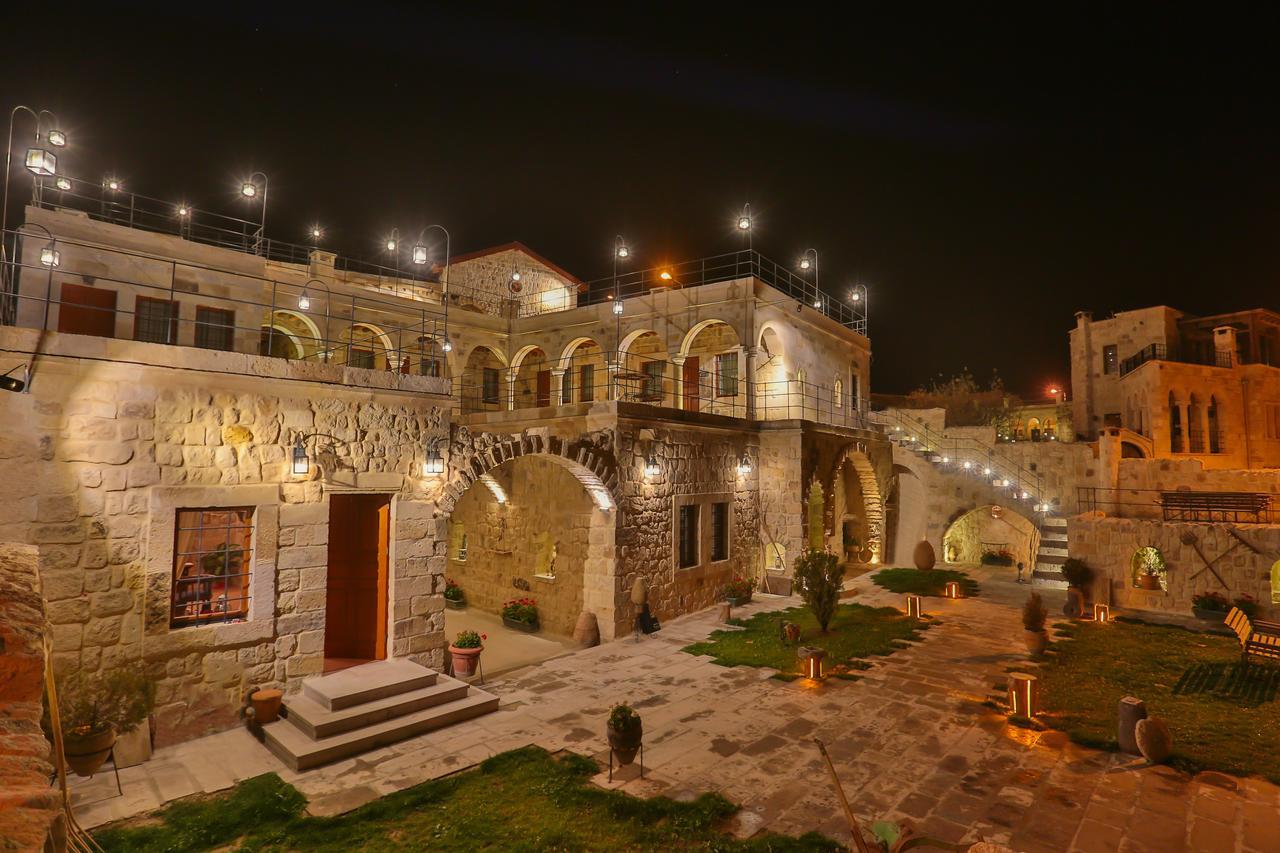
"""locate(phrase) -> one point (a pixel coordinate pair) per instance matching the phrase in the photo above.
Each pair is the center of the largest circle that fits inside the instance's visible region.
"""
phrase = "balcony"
(1160, 352)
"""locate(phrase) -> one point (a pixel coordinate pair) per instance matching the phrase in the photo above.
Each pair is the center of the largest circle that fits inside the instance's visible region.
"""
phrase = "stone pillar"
(746, 375)
(557, 386)
(678, 380)
(1224, 345)
(614, 368)
(512, 373)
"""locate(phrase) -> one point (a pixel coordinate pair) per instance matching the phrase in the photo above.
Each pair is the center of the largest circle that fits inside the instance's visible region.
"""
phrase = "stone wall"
(1108, 545)
(30, 809)
(1095, 392)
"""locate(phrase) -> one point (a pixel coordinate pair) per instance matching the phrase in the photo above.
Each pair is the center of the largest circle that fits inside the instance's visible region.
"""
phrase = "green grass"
(931, 582)
(1222, 717)
(856, 632)
(522, 800)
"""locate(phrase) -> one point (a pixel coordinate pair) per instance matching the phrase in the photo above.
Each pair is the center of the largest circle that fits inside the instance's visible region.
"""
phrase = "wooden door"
(692, 392)
(87, 311)
(355, 625)
(544, 388)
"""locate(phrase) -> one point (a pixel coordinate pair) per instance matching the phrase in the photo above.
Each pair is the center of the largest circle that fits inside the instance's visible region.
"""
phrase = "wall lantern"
(63, 183)
(1101, 613)
(913, 606)
(434, 463)
(50, 257)
(952, 590)
(41, 163)
(617, 307)
(744, 466)
(651, 468)
(304, 301)
(447, 346)
(1024, 694)
(419, 254)
(301, 464)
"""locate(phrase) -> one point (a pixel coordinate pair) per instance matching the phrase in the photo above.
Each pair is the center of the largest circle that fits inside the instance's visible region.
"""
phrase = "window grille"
(212, 559)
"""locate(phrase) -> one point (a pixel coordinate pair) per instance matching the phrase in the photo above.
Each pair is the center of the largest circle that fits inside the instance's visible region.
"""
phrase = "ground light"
(1101, 613)
(1024, 694)
(913, 606)
(952, 589)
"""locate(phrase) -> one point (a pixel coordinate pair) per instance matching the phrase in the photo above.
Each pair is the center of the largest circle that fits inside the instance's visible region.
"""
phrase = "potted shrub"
(94, 708)
(1079, 579)
(1210, 605)
(465, 651)
(521, 614)
(738, 591)
(625, 732)
(454, 599)
(1033, 619)
(1149, 566)
(1248, 605)
(818, 577)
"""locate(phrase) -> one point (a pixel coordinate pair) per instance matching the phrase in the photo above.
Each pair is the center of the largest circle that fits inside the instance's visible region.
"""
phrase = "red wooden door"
(355, 625)
(544, 388)
(87, 311)
(692, 375)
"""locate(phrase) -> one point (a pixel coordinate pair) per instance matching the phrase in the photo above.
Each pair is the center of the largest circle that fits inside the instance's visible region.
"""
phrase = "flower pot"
(865, 555)
(1209, 615)
(739, 601)
(1037, 642)
(923, 556)
(455, 604)
(86, 753)
(266, 705)
(625, 743)
(516, 624)
(465, 661)
(1151, 582)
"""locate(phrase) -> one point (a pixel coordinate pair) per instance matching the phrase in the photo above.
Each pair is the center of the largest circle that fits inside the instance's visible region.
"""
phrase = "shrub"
(1077, 573)
(739, 587)
(1003, 557)
(452, 591)
(520, 610)
(1247, 604)
(1211, 601)
(120, 698)
(469, 640)
(623, 717)
(1034, 614)
(818, 575)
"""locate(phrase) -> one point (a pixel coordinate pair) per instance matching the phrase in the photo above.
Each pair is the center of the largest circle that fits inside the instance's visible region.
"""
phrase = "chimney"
(1224, 345)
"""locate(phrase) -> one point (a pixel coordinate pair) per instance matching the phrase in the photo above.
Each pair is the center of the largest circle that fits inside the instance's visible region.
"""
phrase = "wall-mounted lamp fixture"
(651, 468)
(301, 464)
(434, 463)
(744, 465)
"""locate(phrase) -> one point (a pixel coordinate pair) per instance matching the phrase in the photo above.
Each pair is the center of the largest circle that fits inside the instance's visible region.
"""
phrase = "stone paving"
(911, 739)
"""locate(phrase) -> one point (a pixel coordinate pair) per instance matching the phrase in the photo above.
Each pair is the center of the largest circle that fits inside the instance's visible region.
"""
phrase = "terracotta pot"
(1155, 740)
(865, 555)
(458, 604)
(465, 661)
(625, 743)
(923, 555)
(1037, 642)
(86, 753)
(266, 705)
(1146, 581)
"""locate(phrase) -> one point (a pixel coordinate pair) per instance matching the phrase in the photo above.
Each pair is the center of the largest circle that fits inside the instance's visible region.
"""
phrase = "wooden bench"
(1257, 638)
(1214, 506)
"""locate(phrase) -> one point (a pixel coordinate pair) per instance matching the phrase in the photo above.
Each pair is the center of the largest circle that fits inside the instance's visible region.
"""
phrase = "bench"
(1257, 638)
(1214, 506)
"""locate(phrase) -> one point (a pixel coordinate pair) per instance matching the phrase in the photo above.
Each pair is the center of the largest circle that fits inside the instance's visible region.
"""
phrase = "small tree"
(1034, 614)
(819, 577)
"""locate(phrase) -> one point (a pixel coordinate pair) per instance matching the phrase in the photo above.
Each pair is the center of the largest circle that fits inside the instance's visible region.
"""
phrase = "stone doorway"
(355, 624)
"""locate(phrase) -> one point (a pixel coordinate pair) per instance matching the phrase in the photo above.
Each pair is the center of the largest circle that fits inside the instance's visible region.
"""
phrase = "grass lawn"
(1221, 719)
(856, 631)
(931, 582)
(521, 800)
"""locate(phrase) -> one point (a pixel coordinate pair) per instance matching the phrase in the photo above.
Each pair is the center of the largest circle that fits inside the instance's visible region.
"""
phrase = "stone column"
(557, 386)
(512, 373)
(747, 368)
(678, 380)
(613, 367)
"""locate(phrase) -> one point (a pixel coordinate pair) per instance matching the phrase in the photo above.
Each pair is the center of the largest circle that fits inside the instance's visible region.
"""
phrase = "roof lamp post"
(621, 252)
(744, 225)
(447, 345)
(257, 185)
(809, 261)
(315, 232)
(40, 162)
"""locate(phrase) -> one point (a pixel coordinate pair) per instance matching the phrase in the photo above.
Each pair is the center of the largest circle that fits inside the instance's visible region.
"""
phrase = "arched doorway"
(533, 378)
(483, 384)
(771, 381)
(586, 376)
(711, 375)
(646, 375)
(986, 534)
(857, 508)
(907, 515)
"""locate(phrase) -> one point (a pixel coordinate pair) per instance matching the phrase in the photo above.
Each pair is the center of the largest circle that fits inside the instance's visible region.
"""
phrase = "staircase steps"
(369, 706)
(1051, 554)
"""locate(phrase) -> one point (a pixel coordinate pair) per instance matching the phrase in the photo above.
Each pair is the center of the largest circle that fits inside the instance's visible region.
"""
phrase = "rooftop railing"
(1161, 352)
(1205, 507)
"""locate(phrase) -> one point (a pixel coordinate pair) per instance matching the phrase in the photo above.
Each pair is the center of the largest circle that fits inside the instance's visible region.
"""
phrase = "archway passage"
(856, 522)
(992, 534)
(483, 384)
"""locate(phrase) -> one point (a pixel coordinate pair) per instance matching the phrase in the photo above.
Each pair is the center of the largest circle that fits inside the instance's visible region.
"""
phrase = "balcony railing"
(1160, 352)
(1204, 507)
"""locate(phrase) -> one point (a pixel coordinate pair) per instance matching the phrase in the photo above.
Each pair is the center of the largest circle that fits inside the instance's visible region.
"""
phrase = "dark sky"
(986, 177)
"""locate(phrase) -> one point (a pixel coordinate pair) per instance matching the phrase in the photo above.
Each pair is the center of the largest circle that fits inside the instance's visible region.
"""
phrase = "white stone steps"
(367, 682)
(317, 721)
(300, 752)
(1057, 551)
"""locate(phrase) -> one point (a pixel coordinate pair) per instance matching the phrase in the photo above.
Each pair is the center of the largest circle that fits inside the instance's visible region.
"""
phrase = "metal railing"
(1161, 352)
(1179, 505)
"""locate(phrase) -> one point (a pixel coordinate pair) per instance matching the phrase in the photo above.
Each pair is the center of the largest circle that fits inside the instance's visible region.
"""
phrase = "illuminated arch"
(692, 335)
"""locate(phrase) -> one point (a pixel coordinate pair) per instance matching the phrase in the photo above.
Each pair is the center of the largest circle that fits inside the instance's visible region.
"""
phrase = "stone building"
(245, 463)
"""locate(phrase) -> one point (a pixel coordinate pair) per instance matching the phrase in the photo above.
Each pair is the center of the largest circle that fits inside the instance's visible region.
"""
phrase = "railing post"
(271, 321)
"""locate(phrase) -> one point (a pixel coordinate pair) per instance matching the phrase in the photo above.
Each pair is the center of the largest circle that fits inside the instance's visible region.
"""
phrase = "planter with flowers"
(739, 590)
(625, 733)
(521, 614)
(454, 599)
(465, 652)
(1210, 606)
(92, 709)
(1247, 604)
(1002, 557)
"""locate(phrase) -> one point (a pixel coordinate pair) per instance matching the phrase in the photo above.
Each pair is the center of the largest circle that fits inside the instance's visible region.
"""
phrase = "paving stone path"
(911, 739)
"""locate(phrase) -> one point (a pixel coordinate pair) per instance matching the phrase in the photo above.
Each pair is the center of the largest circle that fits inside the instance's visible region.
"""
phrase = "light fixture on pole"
(316, 232)
(40, 162)
(419, 254)
(257, 185)
(617, 307)
(621, 252)
(447, 346)
(63, 183)
(50, 256)
(183, 211)
(745, 224)
(57, 138)
(114, 184)
(304, 301)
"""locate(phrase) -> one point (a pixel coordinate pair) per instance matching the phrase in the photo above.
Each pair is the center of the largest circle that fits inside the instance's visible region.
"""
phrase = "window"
(566, 386)
(1175, 426)
(587, 383)
(360, 358)
(1109, 358)
(688, 552)
(1272, 420)
(839, 394)
(215, 328)
(727, 374)
(720, 531)
(155, 320)
(489, 385)
(461, 556)
(212, 555)
(651, 388)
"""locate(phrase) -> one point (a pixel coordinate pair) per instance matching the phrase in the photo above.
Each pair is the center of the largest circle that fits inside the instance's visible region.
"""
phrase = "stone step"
(1052, 580)
(1053, 541)
(367, 682)
(1050, 560)
(292, 746)
(1056, 551)
(1053, 523)
(317, 721)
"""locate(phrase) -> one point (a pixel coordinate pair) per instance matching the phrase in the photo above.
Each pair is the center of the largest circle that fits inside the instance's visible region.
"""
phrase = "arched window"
(1175, 425)
(1215, 435)
(839, 394)
(1195, 426)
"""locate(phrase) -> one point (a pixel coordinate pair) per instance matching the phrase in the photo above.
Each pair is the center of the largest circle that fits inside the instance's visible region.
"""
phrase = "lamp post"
(447, 346)
(249, 190)
(39, 162)
(621, 252)
(809, 262)
(744, 225)
(304, 304)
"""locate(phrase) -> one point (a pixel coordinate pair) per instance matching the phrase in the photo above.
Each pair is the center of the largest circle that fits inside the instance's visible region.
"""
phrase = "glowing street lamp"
(63, 183)
(251, 188)
(50, 256)
(419, 254)
(114, 184)
(665, 275)
(316, 232)
(617, 307)
(651, 468)
(183, 211)
(41, 163)
(57, 138)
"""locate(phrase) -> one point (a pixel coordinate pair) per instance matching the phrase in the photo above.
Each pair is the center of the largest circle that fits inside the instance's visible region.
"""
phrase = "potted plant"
(1150, 566)
(1210, 605)
(625, 732)
(1079, 579)
(454, 599)
(1033, 619)
(819, 578)
(465, 651)
(1248, 605)
(521, 614)
(738, 591)
(93, 708)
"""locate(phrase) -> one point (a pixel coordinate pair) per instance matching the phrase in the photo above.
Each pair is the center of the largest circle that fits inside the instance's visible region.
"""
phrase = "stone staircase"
(368, 706)
(1052, 554)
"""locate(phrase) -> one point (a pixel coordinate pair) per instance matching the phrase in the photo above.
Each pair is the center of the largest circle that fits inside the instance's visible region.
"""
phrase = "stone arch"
(1130, 450)
(868, 492)
(645, 373)
(990, 527)
(691, 337)
(586, 374)
(302, 338)
(906, 514)
(531, 372)
(523, 353)
(566, 355)
(365, 345)
(630, 338)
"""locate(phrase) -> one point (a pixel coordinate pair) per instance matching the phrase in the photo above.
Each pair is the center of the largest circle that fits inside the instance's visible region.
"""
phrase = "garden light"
(1024, 694)
(1101, 613)
(913, 606)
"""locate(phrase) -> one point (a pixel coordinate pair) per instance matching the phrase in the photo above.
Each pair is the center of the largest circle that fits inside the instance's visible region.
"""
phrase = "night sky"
(986, 178)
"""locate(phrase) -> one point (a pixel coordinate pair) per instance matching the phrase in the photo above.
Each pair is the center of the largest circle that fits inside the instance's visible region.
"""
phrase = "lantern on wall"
(434, 463)
(744, 465)
(301, 464)
(913, 606)
(651, 468)
(1101, 613)
(1024, 695)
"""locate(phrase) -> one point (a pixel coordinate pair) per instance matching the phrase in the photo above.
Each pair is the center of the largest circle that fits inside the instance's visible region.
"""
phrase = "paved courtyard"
(911, 739)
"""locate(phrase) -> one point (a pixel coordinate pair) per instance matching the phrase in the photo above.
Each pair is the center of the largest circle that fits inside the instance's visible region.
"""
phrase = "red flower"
(484, 636)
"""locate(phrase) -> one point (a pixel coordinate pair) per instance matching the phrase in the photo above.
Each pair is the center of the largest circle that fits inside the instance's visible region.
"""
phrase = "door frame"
(386, 579)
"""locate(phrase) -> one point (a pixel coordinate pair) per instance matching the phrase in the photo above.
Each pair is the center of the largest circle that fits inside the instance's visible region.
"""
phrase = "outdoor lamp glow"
(301, 464)
(304, 301)
(249, 189)
(316, 232)
(913, 606)
(986, 471)
(114, 184)
(1024, 694)
(744, 223)
(57, 139)
(744, 465)
(391, 245)
(617, 307)
(447, 346)
(1101, 612)
(952, 589)
(63, 183)
(183, 210)
(623, 251)
(967, 465)
(856, 296)
(946, 460)
(817, 303)
(434, 463)
(651, 468)
(50, 257)
(805, 263)
(41, 163)
(665, 275)
(419, 254)
(515, 276)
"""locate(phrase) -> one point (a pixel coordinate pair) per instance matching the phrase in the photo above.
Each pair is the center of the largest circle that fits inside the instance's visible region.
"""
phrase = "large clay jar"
(625, 742)
(1155, 741)
(266, 705)
(587, 631)
(923, 555)
(86, 753)
(1074, 608)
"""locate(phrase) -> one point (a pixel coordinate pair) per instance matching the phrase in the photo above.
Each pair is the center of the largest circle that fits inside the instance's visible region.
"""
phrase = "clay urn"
(639, 592)
(1155, 740)
(923, 555)
(266, 705)
(587, 632)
